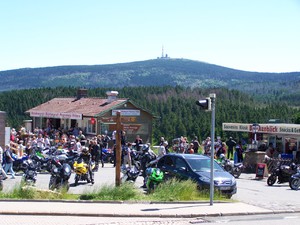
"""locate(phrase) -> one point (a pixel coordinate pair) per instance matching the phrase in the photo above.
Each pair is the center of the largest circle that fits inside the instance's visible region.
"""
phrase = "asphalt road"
(250, 190)
(104, 176)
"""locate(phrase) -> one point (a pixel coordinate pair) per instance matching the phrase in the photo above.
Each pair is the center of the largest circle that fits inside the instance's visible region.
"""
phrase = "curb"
(144, 215)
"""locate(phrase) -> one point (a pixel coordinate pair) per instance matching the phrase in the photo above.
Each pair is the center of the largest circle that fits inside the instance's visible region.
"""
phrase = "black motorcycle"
(130, 174)
(107, 156)
(235, 169)
(283, 173)
(18, 162)
(294, 181)
(60, 175)
(30, 172)
(42, 162)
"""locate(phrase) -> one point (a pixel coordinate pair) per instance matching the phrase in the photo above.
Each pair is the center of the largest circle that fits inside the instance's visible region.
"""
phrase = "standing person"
(123, 138)
(86, 157)
(21, 148)
(183, 145)
(162, 149)
(162, 141)
(145, 159)
(207, 146)
(1, 168)
(126, 151)
(220, 149)
(95, 153)
(114, 136)
(47, 141)
(78, 146)
(190, 149)
(196, 145)
(40, 141)
(101, 147)
(239, 152)
(9, 161)
(138, 142)
(230, 144)
(105, 139)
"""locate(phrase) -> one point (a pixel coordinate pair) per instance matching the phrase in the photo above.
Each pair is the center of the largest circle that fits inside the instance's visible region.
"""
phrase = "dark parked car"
(197, 168)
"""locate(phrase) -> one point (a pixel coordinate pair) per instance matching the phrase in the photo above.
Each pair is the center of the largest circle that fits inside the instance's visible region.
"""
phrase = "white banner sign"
(264, 128)
(74, 116)
(127, 112)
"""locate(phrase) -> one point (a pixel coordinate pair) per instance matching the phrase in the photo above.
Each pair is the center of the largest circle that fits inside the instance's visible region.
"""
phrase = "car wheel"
(294, 183)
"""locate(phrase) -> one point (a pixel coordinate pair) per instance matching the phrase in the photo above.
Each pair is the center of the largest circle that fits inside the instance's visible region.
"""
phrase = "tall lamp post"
(209, 104)
(212, 154)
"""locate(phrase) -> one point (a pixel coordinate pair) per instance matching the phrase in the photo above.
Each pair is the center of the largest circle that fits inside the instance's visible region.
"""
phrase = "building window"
(91, 127)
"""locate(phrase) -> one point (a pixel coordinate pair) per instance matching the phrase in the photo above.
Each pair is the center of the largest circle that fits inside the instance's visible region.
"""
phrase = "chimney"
(111, 96)
(81, 93)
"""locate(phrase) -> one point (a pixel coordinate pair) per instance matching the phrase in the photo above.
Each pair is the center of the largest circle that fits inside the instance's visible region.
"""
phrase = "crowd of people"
(22, 142)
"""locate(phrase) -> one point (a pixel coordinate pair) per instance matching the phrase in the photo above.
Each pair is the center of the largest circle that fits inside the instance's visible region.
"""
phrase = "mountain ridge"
(153, 72)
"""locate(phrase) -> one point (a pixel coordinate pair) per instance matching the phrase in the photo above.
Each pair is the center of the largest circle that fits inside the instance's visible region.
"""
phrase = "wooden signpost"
(118, 149)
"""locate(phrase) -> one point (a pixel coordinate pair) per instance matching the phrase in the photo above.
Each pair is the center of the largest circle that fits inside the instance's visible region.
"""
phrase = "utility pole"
(208, 104)
(212, 153)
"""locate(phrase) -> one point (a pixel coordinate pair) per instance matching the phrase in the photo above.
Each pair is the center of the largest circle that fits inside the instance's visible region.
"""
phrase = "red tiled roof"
(85, 106)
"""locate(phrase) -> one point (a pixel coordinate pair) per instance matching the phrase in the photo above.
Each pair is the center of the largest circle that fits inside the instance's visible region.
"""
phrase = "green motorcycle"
(154, 177)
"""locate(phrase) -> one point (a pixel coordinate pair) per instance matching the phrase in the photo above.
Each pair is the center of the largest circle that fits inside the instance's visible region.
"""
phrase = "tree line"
(176, 113)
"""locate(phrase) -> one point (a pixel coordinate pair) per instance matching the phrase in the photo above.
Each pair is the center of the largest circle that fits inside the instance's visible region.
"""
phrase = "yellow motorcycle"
(82, 173)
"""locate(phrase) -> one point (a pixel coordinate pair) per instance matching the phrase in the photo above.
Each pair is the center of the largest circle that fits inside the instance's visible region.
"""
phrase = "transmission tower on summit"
(163, 55)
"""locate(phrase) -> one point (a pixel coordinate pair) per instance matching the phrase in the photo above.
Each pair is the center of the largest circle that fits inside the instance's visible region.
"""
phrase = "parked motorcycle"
(235, 169)
(65, 156)
(82, 172)
(154, 177)
(30, 172)
(294, 181)
(60, 174)
(107, 156)
(18, 162)
(130, 174)
(283, 173)
(42, 162)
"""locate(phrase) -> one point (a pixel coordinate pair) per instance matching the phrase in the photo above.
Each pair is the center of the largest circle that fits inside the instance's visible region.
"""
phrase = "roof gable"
(86, 106)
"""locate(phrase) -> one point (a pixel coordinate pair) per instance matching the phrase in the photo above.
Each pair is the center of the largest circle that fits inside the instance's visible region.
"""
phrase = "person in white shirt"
(78, 146)
(47, 141)
(162, 149)
(40, 141)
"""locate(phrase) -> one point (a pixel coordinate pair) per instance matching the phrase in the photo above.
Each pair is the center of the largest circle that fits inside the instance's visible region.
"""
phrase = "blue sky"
(252, 35)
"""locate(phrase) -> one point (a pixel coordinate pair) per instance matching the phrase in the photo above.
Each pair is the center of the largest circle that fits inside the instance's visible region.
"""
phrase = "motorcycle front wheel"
(52, 183)
(271, 180)
(66, 185)
(294, 183)
(76, 180)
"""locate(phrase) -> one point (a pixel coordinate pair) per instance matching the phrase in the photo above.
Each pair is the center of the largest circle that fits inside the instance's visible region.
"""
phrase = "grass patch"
(174, 190)
(126, 191)
(171, 190)
(30, 192)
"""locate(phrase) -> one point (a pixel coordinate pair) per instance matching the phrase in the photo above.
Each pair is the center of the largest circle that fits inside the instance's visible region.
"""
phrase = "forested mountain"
(175, 108)
(158, 72)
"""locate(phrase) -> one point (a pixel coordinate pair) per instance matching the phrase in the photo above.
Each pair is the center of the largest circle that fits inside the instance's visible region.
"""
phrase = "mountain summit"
(155, 72)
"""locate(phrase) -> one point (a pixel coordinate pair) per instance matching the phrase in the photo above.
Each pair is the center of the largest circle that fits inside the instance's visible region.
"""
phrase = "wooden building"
(93, 115)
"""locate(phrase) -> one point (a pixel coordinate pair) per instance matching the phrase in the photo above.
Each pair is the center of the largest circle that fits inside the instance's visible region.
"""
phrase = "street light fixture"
(208, 104)
(255, 129)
